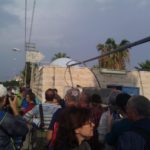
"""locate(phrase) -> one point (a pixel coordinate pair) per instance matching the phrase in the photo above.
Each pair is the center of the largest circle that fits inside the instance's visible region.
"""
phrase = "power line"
(122, 48)
(31, 26)
(25, 25)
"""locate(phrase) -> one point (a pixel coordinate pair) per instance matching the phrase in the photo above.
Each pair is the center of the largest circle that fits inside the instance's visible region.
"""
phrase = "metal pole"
(122, 48)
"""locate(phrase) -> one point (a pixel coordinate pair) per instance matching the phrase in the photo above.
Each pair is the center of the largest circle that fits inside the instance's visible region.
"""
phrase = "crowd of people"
(79, 121)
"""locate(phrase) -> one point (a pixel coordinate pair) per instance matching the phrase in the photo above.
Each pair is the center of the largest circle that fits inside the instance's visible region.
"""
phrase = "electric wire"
(31, 26)
(25, 34)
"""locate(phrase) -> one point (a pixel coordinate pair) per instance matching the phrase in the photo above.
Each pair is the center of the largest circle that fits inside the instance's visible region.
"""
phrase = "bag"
(38, 138)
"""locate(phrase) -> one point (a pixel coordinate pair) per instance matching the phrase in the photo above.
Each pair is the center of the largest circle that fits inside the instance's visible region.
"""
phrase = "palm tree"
(116, 60)
(144, 66)
(59, 55)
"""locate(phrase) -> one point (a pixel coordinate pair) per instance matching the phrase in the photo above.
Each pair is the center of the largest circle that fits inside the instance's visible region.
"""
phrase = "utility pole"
(30, 47)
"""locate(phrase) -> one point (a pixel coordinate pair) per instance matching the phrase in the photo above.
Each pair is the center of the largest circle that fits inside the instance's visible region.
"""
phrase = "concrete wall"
(59, 78)
(140, 79)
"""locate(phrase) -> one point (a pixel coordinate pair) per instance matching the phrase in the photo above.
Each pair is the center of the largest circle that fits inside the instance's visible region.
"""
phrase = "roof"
(63, 62)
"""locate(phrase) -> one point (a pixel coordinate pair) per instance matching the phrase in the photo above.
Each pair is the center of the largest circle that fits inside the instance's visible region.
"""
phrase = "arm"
(14, 125)
(30, 114)
(52, 124)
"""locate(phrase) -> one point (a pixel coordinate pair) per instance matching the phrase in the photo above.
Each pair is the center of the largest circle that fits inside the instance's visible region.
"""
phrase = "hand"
(13, 105)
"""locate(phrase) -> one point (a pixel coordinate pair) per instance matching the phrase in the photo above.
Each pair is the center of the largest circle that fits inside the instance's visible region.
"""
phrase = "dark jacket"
(135, 140)
(83, 146)
(10, 128)
(118, 128)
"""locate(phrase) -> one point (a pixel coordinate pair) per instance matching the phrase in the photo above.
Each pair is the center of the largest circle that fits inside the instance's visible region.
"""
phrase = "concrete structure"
(58, 75)
(62, 78)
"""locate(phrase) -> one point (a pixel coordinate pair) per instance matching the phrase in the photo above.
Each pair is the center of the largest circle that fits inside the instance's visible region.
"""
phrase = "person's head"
(75, 126)
(121, 101)
(57, 99)
(49, 95)
(112, 100)
(23, 92)
(55, 91)
(138, 107)
(84, 99)
(30, 97)
(3, 93)
(72, 97)
(95, 100)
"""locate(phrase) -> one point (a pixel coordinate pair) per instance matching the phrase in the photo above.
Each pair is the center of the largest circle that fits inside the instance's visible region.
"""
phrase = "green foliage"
(144, 66)
(116, 60)
(11, 83)
(59, 55)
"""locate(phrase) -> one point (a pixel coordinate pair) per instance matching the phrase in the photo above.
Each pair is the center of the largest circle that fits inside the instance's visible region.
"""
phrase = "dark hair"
(71, 119)
(121, 100)
(49, 94)
(141, 104)
(55, 90)
(22, 89)
(32, 96)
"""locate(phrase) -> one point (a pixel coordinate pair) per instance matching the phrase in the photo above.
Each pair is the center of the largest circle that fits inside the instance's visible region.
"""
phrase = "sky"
(74, 27)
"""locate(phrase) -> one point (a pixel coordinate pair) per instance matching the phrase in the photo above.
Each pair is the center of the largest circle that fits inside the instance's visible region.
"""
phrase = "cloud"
(7, 17)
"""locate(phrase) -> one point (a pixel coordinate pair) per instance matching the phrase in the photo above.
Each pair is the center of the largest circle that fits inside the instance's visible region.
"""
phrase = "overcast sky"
(74, 27)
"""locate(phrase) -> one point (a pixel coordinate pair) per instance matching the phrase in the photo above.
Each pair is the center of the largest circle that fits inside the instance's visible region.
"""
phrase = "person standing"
(34, 117)
(138, 138)
(11, 125)
(75, 127)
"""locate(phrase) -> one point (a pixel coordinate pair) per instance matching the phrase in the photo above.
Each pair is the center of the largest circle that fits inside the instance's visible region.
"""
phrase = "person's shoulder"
(131, 136)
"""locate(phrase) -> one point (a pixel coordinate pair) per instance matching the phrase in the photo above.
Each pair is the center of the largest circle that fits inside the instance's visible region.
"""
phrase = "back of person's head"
(121, 101)
(49, 94)
(140, 105)
(84, 99)
(71, 119)
(55, 90)
(72, 96)
(57, 99)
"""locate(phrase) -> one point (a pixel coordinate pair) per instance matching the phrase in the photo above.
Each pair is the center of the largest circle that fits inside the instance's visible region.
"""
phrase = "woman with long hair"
(75, 127)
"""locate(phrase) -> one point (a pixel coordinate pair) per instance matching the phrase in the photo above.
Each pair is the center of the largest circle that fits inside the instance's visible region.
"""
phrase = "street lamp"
(16, 49)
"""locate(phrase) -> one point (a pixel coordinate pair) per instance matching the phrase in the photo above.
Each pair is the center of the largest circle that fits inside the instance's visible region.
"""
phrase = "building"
(58, 75)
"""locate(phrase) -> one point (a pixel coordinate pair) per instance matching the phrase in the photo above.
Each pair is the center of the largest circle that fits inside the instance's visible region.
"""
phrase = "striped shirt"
(48, 110)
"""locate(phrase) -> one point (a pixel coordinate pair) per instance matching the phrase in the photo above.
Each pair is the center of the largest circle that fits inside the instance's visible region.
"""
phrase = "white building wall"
(59, 78)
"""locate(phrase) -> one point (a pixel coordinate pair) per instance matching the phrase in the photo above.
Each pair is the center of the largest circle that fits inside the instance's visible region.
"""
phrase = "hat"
(3, 91)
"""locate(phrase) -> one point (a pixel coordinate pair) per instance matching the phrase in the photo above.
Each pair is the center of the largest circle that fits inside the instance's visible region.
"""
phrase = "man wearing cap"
(11, 125)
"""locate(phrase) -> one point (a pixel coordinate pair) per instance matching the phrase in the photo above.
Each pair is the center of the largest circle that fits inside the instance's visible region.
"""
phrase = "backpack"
(146, 135)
